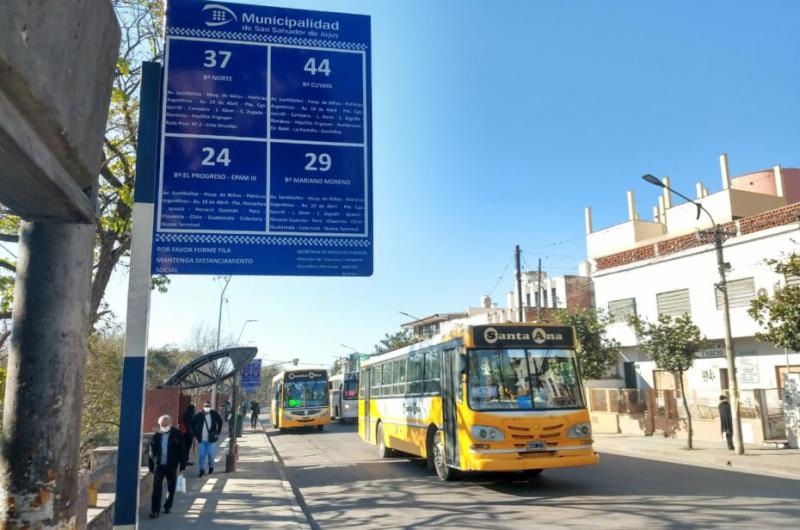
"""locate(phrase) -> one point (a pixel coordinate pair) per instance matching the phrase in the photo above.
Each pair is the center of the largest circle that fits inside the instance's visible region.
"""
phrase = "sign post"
(255, 157)
(251, 375)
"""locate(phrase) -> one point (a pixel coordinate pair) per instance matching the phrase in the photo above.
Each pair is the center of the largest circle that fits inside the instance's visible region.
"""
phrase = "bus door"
(451, 379)
(365, 387)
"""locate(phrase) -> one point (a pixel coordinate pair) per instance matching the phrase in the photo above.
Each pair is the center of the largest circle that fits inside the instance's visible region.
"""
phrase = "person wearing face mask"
(207, 427)
(166, 456)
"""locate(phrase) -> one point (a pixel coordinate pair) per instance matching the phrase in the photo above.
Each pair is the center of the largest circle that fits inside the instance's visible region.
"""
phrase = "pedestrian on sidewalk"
(207, 426)
(187, 427)
(167, 455)
(726, 420)
(227, 410)
(255, 410)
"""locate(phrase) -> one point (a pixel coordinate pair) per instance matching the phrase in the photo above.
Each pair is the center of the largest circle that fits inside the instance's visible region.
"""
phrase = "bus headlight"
(580, 430)
(487, 434)
(347, 406)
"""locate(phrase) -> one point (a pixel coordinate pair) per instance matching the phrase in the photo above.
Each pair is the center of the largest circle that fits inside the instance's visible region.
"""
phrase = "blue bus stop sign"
(265, 142)
(251, 375)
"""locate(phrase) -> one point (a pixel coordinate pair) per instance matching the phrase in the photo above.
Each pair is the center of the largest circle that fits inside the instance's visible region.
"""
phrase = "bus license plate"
(536, 446)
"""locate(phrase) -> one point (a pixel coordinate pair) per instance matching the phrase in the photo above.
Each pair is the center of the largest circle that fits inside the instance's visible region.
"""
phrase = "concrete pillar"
(723, 167)
(587, 213)
(46, 370)
(631, 206)
(698, 190)
(778, 175)
(656, 217)
(662, 213)
(667, 194)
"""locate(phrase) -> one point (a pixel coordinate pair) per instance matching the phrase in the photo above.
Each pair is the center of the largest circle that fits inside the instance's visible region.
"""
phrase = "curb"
(725, 464)
(299, 506)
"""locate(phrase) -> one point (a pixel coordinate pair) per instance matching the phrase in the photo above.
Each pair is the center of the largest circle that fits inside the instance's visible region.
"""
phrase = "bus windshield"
(306, 393)
(523, 379)
(350, 389)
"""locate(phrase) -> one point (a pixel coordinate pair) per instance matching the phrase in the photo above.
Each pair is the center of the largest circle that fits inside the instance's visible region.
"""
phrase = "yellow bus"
(503, 397)
(300, 398)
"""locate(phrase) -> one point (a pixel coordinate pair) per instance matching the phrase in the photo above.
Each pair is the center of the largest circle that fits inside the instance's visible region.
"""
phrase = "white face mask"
(166, 429)
(207, 409)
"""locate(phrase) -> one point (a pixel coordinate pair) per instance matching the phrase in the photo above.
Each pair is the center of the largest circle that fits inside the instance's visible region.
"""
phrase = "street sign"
(265, 142)
(251, 375)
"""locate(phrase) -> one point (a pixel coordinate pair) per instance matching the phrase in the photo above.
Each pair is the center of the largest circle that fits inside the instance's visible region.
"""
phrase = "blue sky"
(495, 124)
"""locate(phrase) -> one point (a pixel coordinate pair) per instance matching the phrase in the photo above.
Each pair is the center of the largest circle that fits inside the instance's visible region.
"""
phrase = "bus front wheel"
(443, 471)
(383, 451)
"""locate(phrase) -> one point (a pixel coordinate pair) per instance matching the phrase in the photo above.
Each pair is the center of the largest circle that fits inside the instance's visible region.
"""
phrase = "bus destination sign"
(523, 336)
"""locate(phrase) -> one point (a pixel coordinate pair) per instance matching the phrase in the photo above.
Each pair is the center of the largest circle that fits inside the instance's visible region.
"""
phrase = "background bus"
(344, 396)
(300, 398)
(504, 397)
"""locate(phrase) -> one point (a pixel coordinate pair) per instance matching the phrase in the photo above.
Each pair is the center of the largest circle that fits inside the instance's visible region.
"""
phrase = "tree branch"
(5, 264)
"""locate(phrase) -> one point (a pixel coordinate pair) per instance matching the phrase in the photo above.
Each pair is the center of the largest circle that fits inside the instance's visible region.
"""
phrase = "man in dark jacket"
(166, 456)
(207, 426)
(255, 410)
(726, 420)
(187, 424)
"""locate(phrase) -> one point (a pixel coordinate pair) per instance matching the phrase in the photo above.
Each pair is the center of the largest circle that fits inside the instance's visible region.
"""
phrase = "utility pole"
(539, 293)
(219, 330)
(521, 311)
(729, 353)
(719, 234)
(233, 424)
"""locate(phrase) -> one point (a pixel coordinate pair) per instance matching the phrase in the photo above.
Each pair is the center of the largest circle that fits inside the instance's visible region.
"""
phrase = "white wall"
(696, 270)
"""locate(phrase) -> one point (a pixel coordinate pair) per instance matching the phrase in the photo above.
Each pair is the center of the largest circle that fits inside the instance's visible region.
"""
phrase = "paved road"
(344, 485)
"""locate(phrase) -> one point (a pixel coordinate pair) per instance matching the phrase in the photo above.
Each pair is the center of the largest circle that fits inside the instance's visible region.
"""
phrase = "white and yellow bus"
(300, 398)
(344, 396)
(503, 397)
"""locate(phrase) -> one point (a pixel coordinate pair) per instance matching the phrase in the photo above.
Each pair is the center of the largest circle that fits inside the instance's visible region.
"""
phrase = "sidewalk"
(760, 460)
(253, 497)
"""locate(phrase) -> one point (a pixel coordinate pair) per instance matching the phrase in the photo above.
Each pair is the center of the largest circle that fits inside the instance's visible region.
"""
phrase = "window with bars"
(673, 303)
(621, 310)
(740, 293)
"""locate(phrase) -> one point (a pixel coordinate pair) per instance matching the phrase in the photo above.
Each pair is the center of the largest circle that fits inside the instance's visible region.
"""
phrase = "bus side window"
(416, 369)
(432, 372)
(375, 381)
(388, 379)
(400, 377)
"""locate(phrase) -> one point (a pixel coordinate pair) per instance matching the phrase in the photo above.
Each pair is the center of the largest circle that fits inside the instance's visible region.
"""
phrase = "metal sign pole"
(138, 318)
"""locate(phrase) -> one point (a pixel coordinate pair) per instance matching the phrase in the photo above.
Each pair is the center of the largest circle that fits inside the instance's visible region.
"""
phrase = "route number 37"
(323, 66)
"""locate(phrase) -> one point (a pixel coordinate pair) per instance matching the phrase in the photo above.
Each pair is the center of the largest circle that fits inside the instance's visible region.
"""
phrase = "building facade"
(668, 266)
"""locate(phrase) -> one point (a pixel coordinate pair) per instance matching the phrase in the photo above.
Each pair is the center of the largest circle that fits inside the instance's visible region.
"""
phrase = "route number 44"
(323, 66)
(213, 158)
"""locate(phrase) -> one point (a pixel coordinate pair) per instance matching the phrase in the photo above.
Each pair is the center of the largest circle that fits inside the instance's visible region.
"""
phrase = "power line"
(502, 274)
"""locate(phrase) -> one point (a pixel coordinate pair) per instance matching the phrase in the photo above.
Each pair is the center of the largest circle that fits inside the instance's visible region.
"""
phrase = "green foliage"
(101, 398)
(394, 341)
(671, 342)
(779, 316)
(597, 353)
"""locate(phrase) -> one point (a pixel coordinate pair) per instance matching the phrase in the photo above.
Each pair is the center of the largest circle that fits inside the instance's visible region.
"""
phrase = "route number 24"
(213, 157)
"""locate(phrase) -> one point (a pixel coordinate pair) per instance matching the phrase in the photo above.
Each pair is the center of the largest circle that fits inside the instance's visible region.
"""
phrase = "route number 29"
(216, 58)
(323, 66)
(213, 158)
(321, 162)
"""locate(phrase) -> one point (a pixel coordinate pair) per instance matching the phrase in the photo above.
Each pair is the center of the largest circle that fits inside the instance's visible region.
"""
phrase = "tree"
(100, 425)
(597, 353)
(394, 341)
(779, 316)
(672, 343)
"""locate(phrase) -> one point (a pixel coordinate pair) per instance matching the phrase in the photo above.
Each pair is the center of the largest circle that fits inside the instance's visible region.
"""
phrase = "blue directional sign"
(266, 143)
(251, 375)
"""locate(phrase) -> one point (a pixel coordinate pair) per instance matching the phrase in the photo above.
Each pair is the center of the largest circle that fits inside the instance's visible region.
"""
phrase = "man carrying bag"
(207, 427)
(166, 456)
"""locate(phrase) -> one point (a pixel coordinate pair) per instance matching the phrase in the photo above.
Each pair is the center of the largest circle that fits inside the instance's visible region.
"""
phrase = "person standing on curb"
(255, 410)
(167, 454)
(187, 422)
(207, 426)
(726, 420)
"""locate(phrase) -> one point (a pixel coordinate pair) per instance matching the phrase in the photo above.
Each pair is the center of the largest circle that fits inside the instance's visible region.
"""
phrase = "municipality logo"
(218, 15)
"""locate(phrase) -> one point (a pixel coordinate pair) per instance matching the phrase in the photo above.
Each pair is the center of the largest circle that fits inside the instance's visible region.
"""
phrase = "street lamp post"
(719, 234)
(241, 331)
(227, 280)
